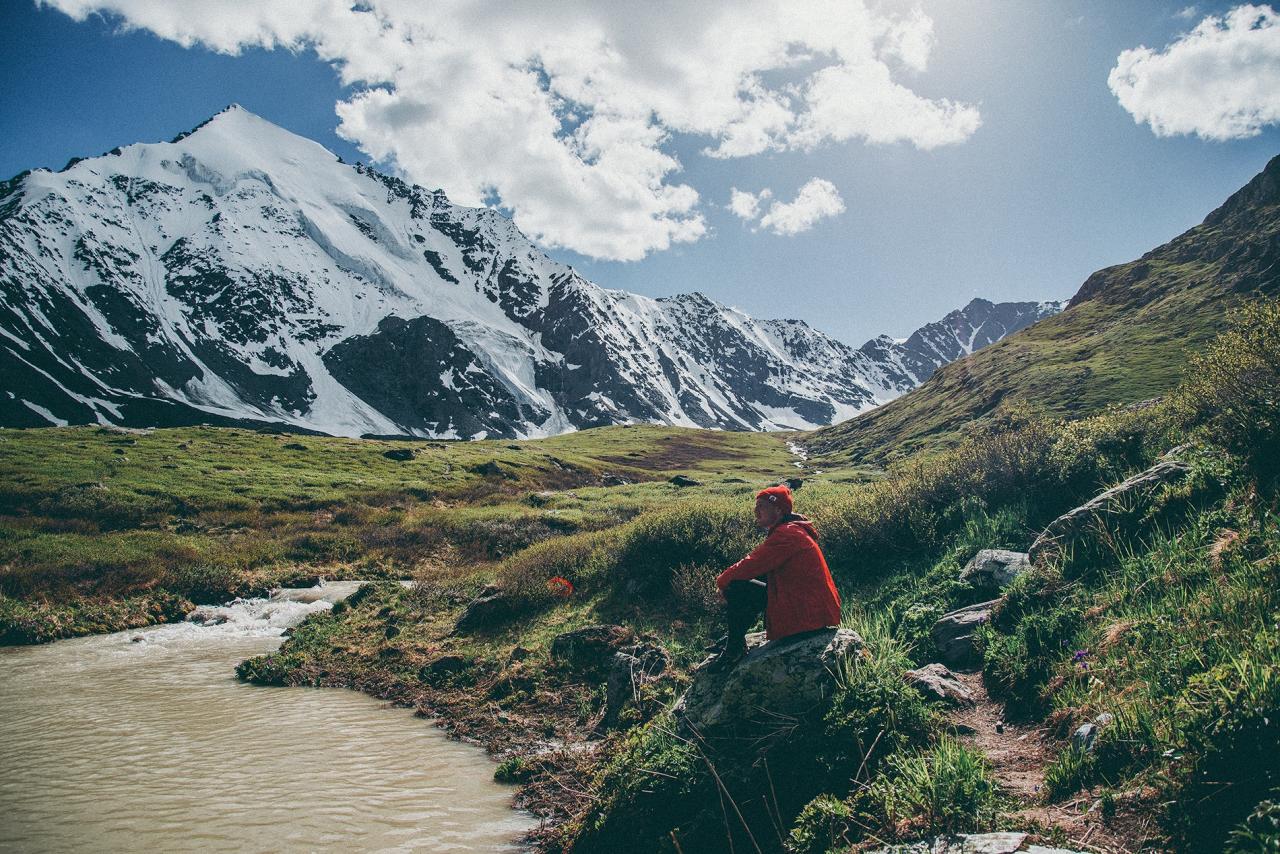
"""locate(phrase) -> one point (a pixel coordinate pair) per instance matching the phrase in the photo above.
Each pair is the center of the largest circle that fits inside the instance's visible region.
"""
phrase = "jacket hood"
(797, 521)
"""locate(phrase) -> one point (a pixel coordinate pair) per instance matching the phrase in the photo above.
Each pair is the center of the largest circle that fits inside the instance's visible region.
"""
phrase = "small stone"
(683, 480)
(1084, 738)
(995, 568)
(399, 454)
(936, 682)
(1104, 719)
(953, 634)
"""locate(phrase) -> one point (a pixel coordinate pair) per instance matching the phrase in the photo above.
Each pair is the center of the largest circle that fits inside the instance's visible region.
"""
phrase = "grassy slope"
(102, 529)
(1124, 338)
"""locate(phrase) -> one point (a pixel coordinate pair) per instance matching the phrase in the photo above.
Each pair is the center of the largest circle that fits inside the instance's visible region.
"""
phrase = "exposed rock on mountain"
(240, 273)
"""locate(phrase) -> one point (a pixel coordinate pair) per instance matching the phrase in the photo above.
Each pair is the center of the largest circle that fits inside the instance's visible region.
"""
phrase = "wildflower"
(560, 586)
(1080, 655)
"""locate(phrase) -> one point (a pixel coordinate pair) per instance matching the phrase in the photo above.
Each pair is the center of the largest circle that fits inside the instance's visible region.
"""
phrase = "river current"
(145, 741)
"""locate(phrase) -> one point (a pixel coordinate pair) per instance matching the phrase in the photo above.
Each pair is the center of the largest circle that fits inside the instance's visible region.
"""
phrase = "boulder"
(790, 678)
(492, 469)
(294, 446)
(590, 648)
(446, 665)
(953, 634)
(936, 682)
(684, 480)
(491, 607)
(1055, 539)
(399, 454)
(630, 668)
(995, 568)
(613, 480)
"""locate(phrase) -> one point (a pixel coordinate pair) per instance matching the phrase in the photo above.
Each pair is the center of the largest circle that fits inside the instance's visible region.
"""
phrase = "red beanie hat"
(776, 495)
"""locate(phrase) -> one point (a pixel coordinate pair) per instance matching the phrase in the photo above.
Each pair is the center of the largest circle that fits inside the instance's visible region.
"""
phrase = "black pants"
(746, 602)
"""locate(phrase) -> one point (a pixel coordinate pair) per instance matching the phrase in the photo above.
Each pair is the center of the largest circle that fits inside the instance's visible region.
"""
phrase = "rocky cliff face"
(243, 274)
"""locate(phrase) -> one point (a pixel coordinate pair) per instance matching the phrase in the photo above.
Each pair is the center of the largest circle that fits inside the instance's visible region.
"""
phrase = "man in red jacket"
(786, 576)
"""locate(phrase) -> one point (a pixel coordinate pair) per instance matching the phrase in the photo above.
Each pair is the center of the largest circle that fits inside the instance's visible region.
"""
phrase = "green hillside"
(1125, 336)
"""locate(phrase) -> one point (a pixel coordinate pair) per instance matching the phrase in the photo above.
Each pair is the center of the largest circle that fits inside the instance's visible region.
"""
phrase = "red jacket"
(802, 595)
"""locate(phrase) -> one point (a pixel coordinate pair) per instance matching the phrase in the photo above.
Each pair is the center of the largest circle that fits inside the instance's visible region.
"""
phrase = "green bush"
(943, 790)
(1232, 390)
(822, 825)
(1259, 833)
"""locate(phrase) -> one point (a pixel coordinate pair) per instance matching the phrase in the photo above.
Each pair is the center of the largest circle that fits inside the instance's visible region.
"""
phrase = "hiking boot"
(727, 659)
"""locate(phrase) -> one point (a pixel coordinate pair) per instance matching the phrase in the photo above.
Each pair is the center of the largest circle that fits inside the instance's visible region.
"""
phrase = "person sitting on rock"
(786, 576)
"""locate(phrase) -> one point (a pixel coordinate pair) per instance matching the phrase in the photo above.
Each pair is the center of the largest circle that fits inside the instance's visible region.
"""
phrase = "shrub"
(1233, 389)
(821, 826)
(945, 789)
(1259, 833)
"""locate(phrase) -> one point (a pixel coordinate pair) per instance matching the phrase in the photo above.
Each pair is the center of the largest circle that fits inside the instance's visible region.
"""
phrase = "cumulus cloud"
(564, 112)
(817, 200)
(747, 205)
(1219, 81)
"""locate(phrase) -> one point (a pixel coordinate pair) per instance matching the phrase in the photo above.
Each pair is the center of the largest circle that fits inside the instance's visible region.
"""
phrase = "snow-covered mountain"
(241, 273)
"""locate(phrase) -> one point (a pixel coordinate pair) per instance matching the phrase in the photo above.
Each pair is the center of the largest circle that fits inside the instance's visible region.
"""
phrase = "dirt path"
(1019, 754)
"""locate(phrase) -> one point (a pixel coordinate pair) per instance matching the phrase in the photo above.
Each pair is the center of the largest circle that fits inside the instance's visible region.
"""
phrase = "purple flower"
(1080, 655)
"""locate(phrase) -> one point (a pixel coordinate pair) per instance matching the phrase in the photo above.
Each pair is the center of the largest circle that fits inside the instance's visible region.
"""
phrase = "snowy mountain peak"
(241, 273)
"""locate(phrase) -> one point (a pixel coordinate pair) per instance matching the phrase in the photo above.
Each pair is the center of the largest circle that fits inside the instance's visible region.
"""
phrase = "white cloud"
(817, 200)
(746, 205)
(1220, 81)
(563, 112)
(1186, 13)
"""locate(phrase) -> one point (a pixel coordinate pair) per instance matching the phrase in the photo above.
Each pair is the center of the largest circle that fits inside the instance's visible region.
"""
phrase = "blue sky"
(1037, 177)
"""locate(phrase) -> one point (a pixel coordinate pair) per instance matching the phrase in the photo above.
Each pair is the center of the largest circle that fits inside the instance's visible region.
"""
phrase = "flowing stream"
(145, 741)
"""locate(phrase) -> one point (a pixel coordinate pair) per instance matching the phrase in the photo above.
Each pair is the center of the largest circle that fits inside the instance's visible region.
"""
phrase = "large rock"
(490, 608)
(590, 648)
(954, 633)
(936, 682)
(995, 568)
(630, 669)
(790, 678)
(1124, 497)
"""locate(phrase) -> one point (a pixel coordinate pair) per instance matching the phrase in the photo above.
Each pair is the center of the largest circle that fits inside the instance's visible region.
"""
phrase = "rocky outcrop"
(936, 682)
(786, 679)
(954, 633)
(992, 569)
(1123, 498)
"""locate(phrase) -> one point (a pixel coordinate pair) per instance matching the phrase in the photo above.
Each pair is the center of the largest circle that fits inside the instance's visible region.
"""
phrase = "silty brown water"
(112, 744)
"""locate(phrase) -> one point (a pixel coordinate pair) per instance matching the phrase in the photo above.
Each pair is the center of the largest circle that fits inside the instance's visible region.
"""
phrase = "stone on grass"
(1084, 738)
(684, 480)
(954, 633)
(936, 682)
(774, 685)
(399, 454)
(995, 568)
(1056, 539)
(630, 669)
(490, 608)
(590, 648)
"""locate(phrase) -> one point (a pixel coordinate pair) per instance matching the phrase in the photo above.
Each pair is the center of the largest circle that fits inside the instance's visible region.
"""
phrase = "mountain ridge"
(242, 274)
(1124, 336)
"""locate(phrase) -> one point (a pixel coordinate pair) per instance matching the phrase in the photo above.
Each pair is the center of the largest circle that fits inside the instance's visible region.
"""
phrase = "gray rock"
(953, 634)
(614, 480)
(1123, 497)
(995, 568)
(777, 681)
(590, 648)
(684, 480)
(629, 669)
(1084, 738)
(936, 682)
(1104, 720)
(399, 454)
(491, 607)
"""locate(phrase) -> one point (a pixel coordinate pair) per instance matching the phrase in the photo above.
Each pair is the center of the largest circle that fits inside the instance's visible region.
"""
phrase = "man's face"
(767, 513)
